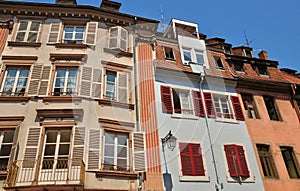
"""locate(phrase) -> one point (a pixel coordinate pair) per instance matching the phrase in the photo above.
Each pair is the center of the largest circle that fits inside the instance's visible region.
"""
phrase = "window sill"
(250, 179)
(24, 44)
(118, 53)
(115, 104)
(227, 120)
(182, 116)
(62, 99)
(194, 178)
(104, 173)
(170, 59)
(240, 72)
(14, 98)
(73, 46)
(265, 76)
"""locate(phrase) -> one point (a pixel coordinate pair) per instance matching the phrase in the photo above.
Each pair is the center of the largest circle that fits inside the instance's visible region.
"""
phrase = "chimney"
(110, 5)
(66, 2)
(263, 55)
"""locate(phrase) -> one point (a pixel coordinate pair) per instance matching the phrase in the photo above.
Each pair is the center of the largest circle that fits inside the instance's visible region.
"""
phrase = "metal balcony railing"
(47, 171)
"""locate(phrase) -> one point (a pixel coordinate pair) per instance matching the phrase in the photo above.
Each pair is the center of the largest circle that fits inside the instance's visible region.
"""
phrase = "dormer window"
(248, 53)
(218, 62)
(262, 70)
(199, 57)
(169, 54)
(187, 54)
(239, 67)
(118, 38)
(227, 50)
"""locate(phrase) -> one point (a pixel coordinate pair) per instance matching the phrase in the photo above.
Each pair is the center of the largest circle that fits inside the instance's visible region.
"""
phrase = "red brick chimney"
(110, 5)
(263, 55)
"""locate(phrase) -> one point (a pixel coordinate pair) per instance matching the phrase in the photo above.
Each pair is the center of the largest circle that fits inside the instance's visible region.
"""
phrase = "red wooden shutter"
(209, 103)
(198, 104)
(166, 99)
(232, 160)
(191, 159)
(243, 163)
(185, 157)
(197, 160)
(239, 115)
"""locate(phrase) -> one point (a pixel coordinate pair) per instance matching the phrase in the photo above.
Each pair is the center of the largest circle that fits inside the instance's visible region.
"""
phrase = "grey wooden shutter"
(122, 87)
(79, 134)
(86, 78)
(35, 80)
(91, 33)
(45, 80)
(96, 85)
(32, 146)
(139, 152)
(94, 149)
(54, 32)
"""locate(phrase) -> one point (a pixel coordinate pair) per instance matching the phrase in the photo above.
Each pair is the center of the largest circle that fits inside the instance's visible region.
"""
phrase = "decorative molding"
(23, 44)
(78, 57)
(116, 65)
(11, 121)
(10, 57)
(111, 122)
(43, 113)
(116, 104)
(62, 99)
(73, 46)
(14, 98)
(118, 53)
(129, 175)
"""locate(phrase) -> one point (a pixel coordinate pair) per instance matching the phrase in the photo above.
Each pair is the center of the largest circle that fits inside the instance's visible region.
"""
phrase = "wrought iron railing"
(52, 171)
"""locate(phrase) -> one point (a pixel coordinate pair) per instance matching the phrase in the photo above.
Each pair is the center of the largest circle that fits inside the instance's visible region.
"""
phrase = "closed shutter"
(54, 33)
(86, 78)
(45, 80)
(198, 104)
(91, 33)
(122, 87)
(239, 115)
(209, 103)
(236, 160)
(191, 159)
(243, 163)
(35, 80)
(186, 161)
(79, 133)
(197, 160)
(139, 152)
(96, 85)
(166, 99)
(32, 146)
(94, 149)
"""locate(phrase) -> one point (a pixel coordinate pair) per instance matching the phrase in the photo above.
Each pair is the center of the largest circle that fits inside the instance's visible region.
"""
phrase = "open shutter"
(244, 171)
(166, 99)
(209, 103)
(139, 152)
(123, 39)
(35, 80)
(96, 85)
(239, 115)
(54, 33)
(94, 149)
(197, 160)
(45, 80)
(232, 160)
(122, 87)
(186, 161)
(32, 146)
(79, 133)
(86, 78)
(91, 33)
(198, 104)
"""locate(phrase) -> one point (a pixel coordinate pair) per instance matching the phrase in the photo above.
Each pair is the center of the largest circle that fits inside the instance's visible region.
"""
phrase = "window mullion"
(66, 82)
(27, 31)
(1, 139)
(16, 81)
(3, 82)
(115, 151)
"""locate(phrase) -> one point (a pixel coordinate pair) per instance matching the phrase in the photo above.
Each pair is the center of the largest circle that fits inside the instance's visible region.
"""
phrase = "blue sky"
(269, 25)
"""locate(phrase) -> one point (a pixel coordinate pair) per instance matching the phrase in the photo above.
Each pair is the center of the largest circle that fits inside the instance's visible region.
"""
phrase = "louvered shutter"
(32, 146)
(122, 87)
(166, 99)
(239, 115)
(197, 160)
(232, 160)
(91, 33)
(123, 39)
(79, 133)
(86, 78)
(139, 152)
(35, 80)
(209, 103)
(94, 149)
(45, 80)
(96, 85)
(244, 171)
(186, 161)
(198, 104)
(54, 33)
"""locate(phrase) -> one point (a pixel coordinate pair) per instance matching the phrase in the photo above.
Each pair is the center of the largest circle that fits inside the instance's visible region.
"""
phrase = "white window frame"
(184, 111)
(199, 52)
(27, 31)
(66, 78)
(118, 38)
(114, 91)
(217, 100)
(2, 133)
(17, 77)
(74, 32)
(187, 50)
(193, 55)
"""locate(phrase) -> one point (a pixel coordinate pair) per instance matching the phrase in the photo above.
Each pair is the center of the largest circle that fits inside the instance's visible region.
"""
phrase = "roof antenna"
(247, 40)
(163, 20)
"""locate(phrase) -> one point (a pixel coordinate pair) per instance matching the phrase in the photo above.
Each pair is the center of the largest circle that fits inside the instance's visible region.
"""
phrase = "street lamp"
(170, 140)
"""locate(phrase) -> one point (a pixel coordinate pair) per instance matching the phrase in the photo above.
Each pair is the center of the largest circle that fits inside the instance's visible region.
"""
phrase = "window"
(262, 70)
(15, 81)
(187, 54)
(248, 53)
(218, 62)
(65, 82)
(199, 57)
(6, 142)
(238, 67)
(116, 151)
(270, 105)
(266, 160)
(236, 161)
(222, 107)
(169, 54)
(249, 105)
(111, 85)
(118, 38)
(73, 35)
(116, 86)
(182, 102)
(227, 50)
(191, 159)
(28, 31)
(297, 106)
(290, 161)
(56, 149)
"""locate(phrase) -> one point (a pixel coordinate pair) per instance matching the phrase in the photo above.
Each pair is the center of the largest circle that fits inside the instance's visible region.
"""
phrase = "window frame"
(221, 114)
(274, 108)
(168, 51)
(295, 161)
(182, 110)
(115, 85)
(267, 162)
(265, 70)
(27, 31)
(2, 143)
(66, 78)
(248, 53)
(247, 103)
(236, 68)
(218, 61)
(118, 38)
(73, 40)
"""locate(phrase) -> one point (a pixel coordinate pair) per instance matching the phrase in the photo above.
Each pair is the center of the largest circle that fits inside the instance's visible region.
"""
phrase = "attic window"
(218, 62)
(239, 67)
(227, 50)
(262, 70)
(169, 54)
(248, 53)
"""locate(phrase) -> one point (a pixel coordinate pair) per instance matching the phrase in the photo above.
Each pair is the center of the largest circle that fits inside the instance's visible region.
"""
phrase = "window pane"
(35, 26)
(122, 139)
(113, 43)
(79, 36)
(12, 72)
(5, 150)
(187, 55)
(20, 36)
(113, 32)
(32, 37)
(109, 138)
(49, 150)
(68, 35)
(122, 152)
(69, 29)
(109, 150)
(61, 73)
(72, 73)
(79, 29)
(51, 137)
(8, 136)
(123, 34)
(64, 149)
(65, 136)
(23, 25)
(199, 57)
(3, 164)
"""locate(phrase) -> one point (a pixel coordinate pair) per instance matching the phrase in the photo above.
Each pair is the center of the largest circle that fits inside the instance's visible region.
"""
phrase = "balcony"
(25, 173)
